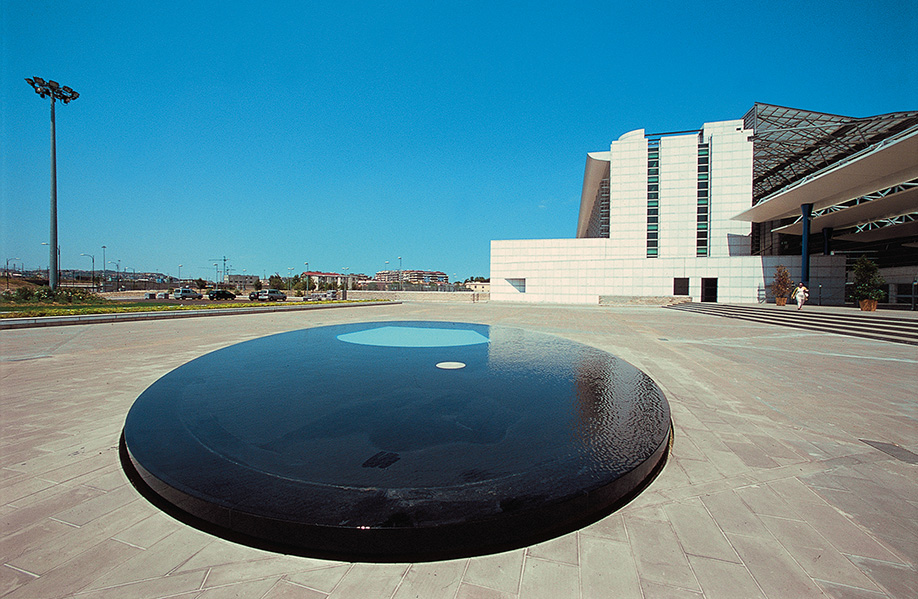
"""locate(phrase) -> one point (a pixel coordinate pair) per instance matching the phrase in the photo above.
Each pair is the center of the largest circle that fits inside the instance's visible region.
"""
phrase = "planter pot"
(780, 301)
(868, 305)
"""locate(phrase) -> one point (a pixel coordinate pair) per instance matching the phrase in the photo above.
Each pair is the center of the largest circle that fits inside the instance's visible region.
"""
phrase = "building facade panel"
(671, 203)
(518, 275)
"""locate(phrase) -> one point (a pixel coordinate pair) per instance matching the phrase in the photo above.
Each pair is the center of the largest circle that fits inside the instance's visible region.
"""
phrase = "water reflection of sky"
(405, 336)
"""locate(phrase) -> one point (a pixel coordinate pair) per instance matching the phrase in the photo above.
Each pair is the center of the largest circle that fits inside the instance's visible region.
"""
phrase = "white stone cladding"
(579, 271)
(731, 186)
(628, 194)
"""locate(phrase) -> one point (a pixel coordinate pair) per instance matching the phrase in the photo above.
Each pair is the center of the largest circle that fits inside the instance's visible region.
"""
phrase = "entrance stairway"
(870, 325)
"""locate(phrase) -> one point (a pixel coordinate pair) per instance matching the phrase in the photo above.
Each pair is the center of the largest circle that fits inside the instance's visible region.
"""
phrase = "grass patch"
(34, 310)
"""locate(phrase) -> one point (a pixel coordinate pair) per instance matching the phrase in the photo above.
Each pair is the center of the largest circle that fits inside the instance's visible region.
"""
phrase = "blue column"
(807, 211)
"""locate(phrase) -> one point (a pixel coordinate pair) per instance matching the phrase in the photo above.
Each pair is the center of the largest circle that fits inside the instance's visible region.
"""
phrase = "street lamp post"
(8, 271)
(117, 272)
(399, 273)
(344, 287)
(56, 267)
(92, 280)
(180, 275)
(307, 278)
(289, 278)
(66, 95)
(104, 270)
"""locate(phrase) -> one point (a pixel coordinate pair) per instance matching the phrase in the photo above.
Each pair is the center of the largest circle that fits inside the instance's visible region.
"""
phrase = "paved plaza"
(772, 489)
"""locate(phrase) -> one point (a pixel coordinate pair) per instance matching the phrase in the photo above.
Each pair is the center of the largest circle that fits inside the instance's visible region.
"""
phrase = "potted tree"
(781, 286)
(868, 284)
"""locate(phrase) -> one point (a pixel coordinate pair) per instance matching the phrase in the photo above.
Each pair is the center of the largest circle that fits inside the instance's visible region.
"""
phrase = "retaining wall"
(419, 296)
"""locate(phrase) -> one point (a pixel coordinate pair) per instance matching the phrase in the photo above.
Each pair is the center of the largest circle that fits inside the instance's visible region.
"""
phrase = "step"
(867, 323)
(869, 326)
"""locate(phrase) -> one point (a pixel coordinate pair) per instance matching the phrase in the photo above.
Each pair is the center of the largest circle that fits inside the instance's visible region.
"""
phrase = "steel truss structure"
(865, 199)
(789, 144)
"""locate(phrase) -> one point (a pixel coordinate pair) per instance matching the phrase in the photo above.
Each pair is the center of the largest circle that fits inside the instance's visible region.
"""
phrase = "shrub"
(43, 294)
(782, 284)
(867, 280)
(23, 294)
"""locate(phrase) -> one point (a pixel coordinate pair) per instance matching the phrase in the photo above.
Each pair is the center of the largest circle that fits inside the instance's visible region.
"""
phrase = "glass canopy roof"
(790, 144)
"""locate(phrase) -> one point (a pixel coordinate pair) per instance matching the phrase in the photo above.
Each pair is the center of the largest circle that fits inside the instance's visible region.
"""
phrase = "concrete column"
(827, 241)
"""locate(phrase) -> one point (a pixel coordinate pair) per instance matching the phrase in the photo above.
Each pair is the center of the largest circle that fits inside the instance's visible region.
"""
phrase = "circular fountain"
(397, 441)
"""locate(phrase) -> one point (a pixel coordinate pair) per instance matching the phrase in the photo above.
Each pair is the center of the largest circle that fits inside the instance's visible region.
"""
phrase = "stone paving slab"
(770, 491)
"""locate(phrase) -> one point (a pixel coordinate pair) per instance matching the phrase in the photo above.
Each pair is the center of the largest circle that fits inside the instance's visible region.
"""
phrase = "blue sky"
(349, 133)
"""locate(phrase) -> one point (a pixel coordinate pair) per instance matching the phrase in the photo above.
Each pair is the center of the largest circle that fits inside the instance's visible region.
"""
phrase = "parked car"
(185, 293)
(272, 295)
(253, 296)
(218, 294)
(163, 295)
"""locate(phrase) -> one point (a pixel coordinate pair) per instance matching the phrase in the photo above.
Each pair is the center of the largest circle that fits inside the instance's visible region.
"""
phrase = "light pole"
(180, 275)
(307, 278)
(289, 278)
(117, 274)
(104, 271)
(66, 95)
(387, 276)
(344, 287)
(56, 267)
(399, 273)
(8, 271)
(92, 280)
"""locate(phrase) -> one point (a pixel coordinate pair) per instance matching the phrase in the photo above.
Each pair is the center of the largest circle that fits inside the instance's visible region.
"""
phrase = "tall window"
(653, 198)
(599, 217)
(702, 225)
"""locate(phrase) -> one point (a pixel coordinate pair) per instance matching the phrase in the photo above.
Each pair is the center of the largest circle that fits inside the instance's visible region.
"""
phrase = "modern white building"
(659, 218)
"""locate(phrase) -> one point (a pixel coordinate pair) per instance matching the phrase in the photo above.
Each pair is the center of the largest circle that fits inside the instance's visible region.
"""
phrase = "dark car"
(253, 296)
(218, 294)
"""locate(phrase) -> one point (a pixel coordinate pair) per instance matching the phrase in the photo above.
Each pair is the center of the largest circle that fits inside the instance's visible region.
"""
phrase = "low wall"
(419, 296)
(634, 300)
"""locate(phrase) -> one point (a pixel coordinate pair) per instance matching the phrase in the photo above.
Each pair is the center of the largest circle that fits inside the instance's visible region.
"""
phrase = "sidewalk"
(793, 469)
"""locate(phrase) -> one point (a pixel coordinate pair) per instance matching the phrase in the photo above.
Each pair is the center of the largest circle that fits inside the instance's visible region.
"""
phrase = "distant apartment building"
(419, 277)
(334, 279)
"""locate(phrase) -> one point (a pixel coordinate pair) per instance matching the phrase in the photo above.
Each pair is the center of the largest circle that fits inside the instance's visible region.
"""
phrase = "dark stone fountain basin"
(397, 441)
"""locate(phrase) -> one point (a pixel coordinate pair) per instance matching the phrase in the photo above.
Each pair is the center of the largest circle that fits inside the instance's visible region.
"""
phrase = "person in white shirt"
(801, 294)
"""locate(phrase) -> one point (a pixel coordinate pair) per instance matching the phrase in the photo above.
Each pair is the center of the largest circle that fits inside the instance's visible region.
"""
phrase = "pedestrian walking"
(801, 294)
